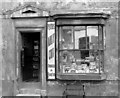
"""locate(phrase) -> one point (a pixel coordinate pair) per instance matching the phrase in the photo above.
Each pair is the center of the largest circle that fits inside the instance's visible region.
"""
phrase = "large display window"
(80, 49)
(80, 46)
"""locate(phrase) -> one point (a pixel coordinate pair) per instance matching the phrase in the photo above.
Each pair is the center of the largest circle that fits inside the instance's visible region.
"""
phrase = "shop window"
(80, 49)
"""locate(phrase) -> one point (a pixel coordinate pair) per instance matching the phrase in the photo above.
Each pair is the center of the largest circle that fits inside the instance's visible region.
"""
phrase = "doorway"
(30, 56)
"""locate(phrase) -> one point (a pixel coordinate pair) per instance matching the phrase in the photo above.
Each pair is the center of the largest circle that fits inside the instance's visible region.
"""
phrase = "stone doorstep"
(28, 95)
(29, 91)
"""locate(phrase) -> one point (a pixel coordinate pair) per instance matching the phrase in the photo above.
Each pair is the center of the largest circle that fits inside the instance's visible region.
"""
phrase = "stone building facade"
(41, 26)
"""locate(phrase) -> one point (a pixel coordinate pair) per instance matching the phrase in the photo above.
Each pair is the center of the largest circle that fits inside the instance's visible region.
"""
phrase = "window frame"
(73, 50)
(79, 19)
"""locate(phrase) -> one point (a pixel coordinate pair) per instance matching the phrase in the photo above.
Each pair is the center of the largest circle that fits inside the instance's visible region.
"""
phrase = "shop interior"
(30, 56)
(80, 49)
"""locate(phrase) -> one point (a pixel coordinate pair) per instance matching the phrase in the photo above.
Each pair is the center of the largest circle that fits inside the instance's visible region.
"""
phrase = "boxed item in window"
(92, 65)
(67, 46)
(87, 70)
(91, 58)
(72, 71)
(73, 66)
(83, 66)
(66, 69)
(87, 60)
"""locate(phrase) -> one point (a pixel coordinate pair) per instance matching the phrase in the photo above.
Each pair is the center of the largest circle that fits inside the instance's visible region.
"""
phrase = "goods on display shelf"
(83, 68)
(70, 64)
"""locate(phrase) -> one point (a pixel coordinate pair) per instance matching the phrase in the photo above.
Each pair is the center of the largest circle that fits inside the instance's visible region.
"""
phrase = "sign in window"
(51, 50)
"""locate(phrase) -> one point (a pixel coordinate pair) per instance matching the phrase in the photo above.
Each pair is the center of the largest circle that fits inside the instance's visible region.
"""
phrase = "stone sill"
(94, 76)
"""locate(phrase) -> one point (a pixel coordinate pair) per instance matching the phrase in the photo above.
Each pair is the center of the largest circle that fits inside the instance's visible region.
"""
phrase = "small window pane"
(69, 60)
(100, 38)
(101, 60)
(92, 34)
(94, 61)
(66, 38)
(79, 61)
(104, 38)
(80, 39)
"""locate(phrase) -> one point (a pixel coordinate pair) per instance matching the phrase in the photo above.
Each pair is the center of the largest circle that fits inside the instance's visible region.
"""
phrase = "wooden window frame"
(80, 76)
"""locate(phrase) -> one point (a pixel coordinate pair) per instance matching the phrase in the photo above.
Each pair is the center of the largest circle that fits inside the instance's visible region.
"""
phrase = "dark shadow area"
(30, 56)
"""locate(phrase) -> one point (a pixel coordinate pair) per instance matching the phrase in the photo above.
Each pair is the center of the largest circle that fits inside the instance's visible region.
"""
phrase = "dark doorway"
(30, 57)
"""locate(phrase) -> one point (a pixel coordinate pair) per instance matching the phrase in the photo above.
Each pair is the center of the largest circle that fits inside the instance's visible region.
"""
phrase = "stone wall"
(56, 88)
(109, 87)
(8, 57)
(1, 43)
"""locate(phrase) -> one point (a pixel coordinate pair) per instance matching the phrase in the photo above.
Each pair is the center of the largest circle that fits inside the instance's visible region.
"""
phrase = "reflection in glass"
(104, 37)
(101, 61)
(80, 49)
(100, 38)
(72, 61)
(92, 33)
(80, 37)
(66, 38)
(69, 61)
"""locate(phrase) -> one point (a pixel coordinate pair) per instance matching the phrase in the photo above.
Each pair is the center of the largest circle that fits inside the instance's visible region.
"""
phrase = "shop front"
(80, 50)
(59, 54)
(80, 46)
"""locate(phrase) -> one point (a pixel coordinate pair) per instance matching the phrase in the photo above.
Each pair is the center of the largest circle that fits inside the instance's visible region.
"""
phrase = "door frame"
(18, 47)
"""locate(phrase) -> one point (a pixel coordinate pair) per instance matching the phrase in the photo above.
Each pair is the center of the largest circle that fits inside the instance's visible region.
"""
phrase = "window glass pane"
(92, 34)
(90, 58)
(94, 61)
(104, 38)
(66, 38)
(69, 60)
(90, 61)
(79, 61)
(101, 60)
(79, 37)
(100, 38)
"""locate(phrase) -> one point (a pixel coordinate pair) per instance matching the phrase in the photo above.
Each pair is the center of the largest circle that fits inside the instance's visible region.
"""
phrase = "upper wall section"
(27, 10)
(57, 7)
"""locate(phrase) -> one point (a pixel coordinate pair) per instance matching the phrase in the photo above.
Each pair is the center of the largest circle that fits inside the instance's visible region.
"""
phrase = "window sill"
(90, 76)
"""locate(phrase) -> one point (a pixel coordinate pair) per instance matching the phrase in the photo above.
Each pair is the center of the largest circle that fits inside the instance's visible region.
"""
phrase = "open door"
(30, 57)
(28, 61)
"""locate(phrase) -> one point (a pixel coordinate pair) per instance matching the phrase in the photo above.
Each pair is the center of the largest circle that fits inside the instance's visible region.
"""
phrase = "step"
(29, 91)
(28, 95)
